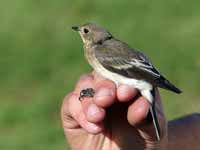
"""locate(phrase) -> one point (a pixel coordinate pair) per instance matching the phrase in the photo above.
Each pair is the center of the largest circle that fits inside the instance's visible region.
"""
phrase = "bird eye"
(85, 30)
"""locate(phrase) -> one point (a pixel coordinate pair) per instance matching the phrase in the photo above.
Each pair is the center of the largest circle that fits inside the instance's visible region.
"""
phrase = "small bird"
(116, 61)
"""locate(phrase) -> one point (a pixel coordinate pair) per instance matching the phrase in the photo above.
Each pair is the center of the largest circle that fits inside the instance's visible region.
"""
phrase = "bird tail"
(165, 84)
(152, 117)
(155, 121)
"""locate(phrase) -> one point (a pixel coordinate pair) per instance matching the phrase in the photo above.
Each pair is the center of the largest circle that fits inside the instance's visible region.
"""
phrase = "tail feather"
(152, 117)
(155, 121)
(165, 84)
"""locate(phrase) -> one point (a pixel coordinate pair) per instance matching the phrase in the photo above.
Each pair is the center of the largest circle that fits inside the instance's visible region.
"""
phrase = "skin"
(115, 120)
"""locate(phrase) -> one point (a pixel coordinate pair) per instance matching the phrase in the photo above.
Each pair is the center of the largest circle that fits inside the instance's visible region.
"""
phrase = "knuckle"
(67, 97)
(106, 84)
(85, 77)
(66, 101)
(83, 81)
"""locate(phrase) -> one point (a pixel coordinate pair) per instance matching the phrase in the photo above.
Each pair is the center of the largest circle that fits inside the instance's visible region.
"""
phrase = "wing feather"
(118, 57)
(125, 61)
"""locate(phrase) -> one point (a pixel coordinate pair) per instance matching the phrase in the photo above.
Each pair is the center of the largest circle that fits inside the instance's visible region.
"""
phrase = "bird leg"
(89, 92)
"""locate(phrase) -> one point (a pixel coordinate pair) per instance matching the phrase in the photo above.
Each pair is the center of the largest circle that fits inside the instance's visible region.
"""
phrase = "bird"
(115, 60)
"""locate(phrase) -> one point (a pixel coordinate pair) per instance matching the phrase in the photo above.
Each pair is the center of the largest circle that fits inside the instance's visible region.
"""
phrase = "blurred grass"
(41, 58)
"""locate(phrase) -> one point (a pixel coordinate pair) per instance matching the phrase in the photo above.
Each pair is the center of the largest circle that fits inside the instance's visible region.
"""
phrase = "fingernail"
(103, 92)
(93, 127)
(140, 108)
(123, 89)
(93, 110)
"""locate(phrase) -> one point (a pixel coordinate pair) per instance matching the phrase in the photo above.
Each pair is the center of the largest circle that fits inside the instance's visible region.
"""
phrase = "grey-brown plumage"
(115, 60)
(117, 57)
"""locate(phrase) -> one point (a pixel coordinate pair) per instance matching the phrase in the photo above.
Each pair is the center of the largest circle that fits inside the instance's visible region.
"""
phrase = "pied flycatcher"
(116, 61)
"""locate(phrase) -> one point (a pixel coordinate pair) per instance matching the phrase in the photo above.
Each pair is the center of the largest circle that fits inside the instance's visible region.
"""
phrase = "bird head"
(92, 33)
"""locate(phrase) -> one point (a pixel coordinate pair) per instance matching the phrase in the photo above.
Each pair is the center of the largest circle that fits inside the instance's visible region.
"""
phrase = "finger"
(138, 111)
(92, 112)
(67, 120)
(73, 109)
(85, 81)
(105, 94)
(126, 93)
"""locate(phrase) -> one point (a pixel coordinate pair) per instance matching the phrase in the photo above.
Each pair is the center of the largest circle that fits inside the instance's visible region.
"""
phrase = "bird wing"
(121, 59)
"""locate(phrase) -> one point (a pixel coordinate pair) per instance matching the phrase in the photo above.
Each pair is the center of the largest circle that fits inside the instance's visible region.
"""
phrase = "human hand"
(114, 119)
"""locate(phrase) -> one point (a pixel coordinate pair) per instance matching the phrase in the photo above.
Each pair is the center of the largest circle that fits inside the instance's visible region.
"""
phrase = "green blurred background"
(41, 58)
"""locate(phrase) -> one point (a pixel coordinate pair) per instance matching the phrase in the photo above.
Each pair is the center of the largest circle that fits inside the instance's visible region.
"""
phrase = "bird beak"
(76, 28)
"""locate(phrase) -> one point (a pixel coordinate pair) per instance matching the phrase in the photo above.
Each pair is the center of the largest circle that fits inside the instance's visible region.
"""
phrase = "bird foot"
(89, 92)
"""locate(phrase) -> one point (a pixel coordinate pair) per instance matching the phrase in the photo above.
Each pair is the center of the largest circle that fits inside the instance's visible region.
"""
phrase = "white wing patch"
(144, 65)
(122, 65)
(141, 64)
